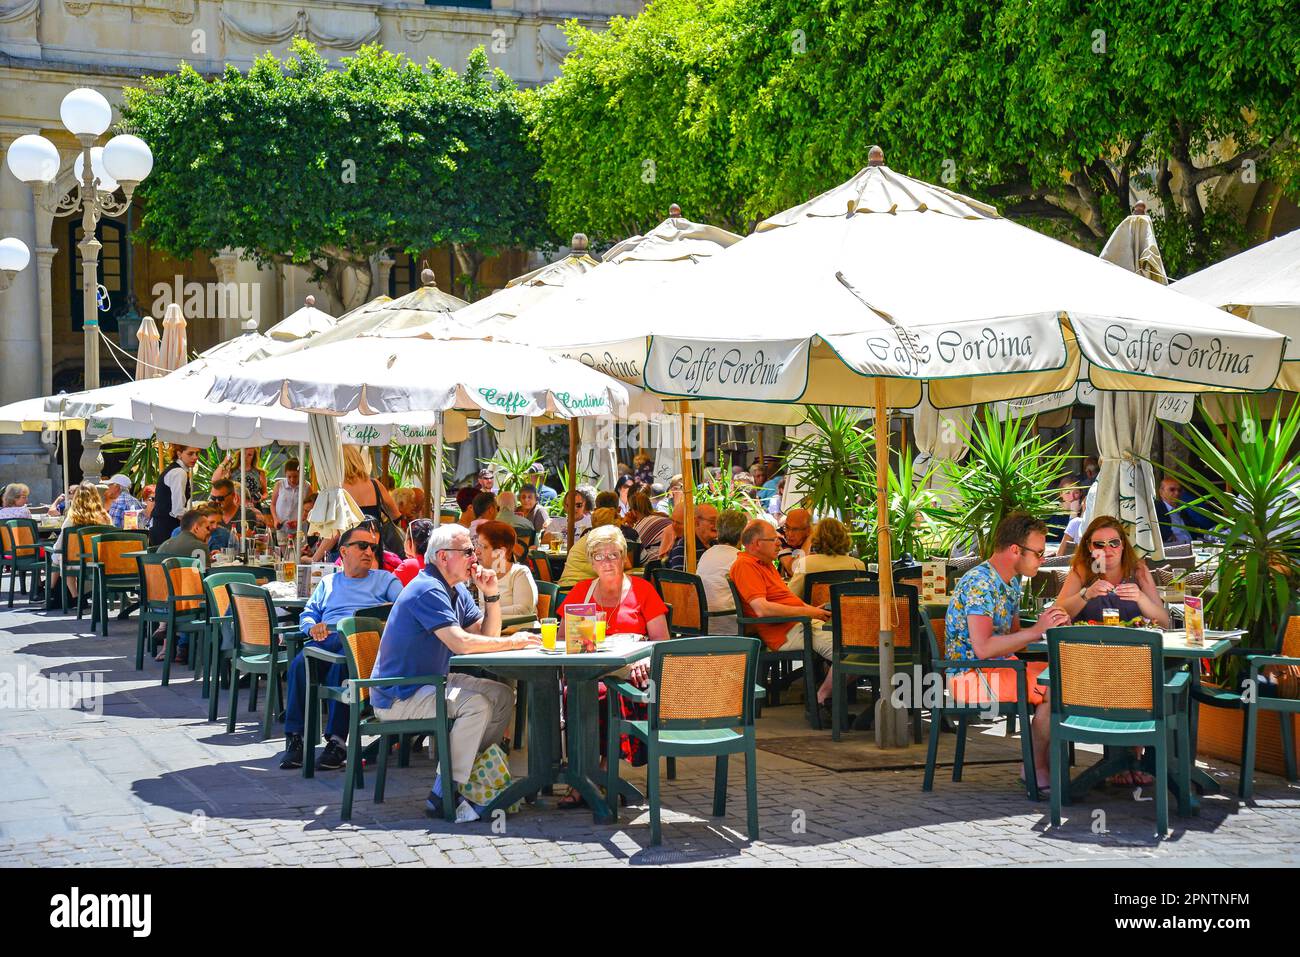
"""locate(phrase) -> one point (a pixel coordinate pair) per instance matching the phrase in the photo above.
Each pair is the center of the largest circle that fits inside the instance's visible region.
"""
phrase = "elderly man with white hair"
(434, 618)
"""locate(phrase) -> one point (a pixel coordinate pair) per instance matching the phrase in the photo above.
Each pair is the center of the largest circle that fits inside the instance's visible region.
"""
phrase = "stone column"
(224, 263)
(44, 263)
(22, 457)
(381, 268)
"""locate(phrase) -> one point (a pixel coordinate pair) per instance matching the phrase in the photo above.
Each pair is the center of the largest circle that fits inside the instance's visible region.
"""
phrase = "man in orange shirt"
(765, 594)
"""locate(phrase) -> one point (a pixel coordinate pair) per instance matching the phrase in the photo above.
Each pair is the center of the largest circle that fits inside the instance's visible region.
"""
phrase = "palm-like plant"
(836, 466)
(555, 507)
(1258, 520)
(1007, 469)
(724, 494)
(513, 468)
(916, 517)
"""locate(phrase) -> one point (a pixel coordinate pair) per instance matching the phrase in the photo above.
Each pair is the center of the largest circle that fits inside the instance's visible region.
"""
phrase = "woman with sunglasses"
(1107, 573)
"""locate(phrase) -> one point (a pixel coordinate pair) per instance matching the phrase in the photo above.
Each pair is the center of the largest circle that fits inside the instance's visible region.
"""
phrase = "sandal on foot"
(573, 799)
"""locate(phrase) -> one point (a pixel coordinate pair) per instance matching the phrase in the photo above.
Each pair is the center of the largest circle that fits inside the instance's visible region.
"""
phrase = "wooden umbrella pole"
(383, 460)
(761, 460)
(688, 487)
(243, 514)
(430, 501)
(435, 494)
(886, 716)
(573, 476)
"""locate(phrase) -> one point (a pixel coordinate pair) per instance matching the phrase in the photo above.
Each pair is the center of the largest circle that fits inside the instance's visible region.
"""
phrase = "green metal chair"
(1286, 643)
(259, 652)
(688, 606)
(964, 713)
(769, 662)
(113, 571)
(361, 647)
(22, 553)
(703, 706)
(219, 617)
(817, 586)
(1269, 697)
(855, 633)
(1108, 687)
(84, 537)
(172, 597)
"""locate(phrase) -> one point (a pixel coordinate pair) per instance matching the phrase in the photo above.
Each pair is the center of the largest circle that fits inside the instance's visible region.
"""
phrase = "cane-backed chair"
(688, 605)
(855, 650)
(22, 553)
(219, 620)
(82, 542)
(1108, 687)
(259, 651)
(114, 570)
(703, 706)
(771, 662)
(172, 596)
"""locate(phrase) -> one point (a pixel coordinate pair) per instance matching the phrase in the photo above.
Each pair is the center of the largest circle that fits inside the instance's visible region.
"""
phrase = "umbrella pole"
(761, 460)
(302, 494)
(688, 483)
(573, 474)
(427, 481)
(243, 517)
(435, 490)
(887, 723)
(63, 434)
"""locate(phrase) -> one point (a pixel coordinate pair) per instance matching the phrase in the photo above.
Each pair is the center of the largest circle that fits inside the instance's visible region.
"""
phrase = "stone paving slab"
(149, 782)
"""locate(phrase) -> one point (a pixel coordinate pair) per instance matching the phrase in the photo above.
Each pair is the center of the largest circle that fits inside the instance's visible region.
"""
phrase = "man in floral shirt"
(983, 622)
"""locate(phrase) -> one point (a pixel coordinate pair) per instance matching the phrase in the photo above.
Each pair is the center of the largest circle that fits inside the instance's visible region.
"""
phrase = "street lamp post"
(124, 161)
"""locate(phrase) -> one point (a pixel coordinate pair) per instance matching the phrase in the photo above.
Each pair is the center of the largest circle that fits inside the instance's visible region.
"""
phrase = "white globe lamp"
(85, 112)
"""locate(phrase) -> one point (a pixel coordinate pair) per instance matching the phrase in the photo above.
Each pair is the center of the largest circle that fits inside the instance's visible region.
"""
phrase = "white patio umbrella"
(302, 323)
(148, 359)
(883, 283)
(173, 338)
(1261, 284)
(1126, 421)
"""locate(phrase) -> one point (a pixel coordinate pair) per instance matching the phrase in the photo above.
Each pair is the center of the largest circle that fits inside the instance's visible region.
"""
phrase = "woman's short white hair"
(15, 491)
(606, 535)
(443, 538)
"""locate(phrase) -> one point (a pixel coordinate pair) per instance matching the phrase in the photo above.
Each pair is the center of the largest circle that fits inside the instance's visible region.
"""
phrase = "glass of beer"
(549, 627)
(1110, 616)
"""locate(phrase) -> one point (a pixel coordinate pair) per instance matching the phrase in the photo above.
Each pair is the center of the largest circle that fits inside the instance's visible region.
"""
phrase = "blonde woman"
(86, 508)
(828, 551)
(255, 480)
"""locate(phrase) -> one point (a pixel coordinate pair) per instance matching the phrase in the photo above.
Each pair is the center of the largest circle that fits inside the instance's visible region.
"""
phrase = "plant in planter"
(916, 518)
(512, 469)
(1258, 520)
(1007, 469)
(724, 494)
(836, 466)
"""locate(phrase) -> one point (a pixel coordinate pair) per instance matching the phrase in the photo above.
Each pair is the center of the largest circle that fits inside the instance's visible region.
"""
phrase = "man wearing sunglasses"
(360, 583)
(983, 621)
(434, 618)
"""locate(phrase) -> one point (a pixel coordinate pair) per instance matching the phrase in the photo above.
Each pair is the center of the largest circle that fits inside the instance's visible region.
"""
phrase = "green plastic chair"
(22, 552)
(78, 557)
(259, 652)
(1266, 698)
(688, 605)
(771, 662)
(966, 713)
(113, 571)
(703, 707)
(1286, 643)
(1108, 687)
(172, 597)
(855, 635)
(361, 647)
(215, 658)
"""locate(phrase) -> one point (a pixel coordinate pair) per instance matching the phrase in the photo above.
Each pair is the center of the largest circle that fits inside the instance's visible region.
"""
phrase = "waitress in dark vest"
(1107, 573)
(172, 494)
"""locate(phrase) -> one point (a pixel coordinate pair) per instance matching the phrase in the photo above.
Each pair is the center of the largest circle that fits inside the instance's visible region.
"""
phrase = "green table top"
(1216, 645)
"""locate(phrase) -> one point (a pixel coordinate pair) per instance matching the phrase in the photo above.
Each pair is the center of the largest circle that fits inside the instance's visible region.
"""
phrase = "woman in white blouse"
(495, 544)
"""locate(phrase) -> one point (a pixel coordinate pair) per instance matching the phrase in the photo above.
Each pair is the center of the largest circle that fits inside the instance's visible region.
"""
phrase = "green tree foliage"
(1053, 110)
(298, 161)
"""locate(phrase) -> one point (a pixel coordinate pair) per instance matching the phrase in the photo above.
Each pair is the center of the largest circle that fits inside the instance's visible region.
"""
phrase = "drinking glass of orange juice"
(549, 627)
(600, 628)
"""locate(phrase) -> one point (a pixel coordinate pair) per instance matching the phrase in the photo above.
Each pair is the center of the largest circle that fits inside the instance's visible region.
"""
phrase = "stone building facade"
(49, 47)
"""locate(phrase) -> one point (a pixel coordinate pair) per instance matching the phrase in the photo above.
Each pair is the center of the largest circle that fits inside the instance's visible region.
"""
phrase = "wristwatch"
(488, 599)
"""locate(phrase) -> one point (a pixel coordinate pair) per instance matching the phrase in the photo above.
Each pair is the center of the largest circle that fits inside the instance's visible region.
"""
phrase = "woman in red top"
(417, 540)
(631, 606)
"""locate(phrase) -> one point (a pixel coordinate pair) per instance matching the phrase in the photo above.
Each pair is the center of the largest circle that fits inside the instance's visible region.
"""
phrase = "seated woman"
(86, 508)
(578, 566)
(631, 606)
(255, 480)
(417, 542)
(495, 545)
(828, 551)
(1123, 582)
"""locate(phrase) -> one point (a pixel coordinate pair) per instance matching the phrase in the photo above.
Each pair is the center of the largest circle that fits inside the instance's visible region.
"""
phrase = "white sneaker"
(466, 812)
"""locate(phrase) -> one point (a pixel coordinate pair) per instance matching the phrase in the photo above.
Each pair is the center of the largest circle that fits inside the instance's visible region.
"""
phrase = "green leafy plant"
(141, 465)
(555, 507)
(724, 494)
(916, 518)
(512, 469)
(1258, 520)
(836, 466)
(1007, 469)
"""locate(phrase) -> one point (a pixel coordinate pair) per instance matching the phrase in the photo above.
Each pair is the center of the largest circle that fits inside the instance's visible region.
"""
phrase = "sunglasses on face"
(373, 546)
(1107, 543)
(1040, 552)
(220, 498)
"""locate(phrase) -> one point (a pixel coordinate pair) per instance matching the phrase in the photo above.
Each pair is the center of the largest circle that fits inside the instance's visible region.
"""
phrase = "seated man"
(706, 533)
(434, 618)
(229, 524)
(764, 593)
(715, 567)
(193, 540)
(794, 539)
(359, 584)
(582, 505)
(531, 508)
(1171, 514)
(484, 508)
(983, 621)
(119, 500)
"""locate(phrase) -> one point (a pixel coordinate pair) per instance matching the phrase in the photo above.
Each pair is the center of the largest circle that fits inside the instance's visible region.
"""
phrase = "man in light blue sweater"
(360, 584)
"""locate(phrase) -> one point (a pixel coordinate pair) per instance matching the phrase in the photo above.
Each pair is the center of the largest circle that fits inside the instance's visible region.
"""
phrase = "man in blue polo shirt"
(434, 618)
(360, 584)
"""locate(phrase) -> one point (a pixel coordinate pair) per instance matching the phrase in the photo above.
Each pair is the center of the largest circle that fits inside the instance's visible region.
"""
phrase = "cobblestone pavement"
(150, 782)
